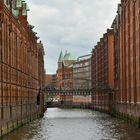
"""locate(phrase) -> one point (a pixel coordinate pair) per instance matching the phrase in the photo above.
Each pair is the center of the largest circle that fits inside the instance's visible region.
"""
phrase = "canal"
(75, 124)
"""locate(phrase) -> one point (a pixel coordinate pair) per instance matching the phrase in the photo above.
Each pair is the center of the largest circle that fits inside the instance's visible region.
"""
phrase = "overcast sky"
(72, 25)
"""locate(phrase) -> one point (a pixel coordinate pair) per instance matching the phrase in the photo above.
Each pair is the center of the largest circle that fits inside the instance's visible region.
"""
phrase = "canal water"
(75, 124)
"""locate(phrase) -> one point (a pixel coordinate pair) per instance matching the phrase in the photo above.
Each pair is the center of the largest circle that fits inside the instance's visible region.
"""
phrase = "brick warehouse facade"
(103, 70)
(125, 75)
(21, 67)
(115, 26)
(128, 101)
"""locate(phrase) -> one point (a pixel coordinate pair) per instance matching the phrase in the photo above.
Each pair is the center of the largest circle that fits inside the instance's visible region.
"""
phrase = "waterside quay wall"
(21, 68)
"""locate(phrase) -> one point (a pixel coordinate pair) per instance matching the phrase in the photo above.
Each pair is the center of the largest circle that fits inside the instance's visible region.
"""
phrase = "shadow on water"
(75, 124)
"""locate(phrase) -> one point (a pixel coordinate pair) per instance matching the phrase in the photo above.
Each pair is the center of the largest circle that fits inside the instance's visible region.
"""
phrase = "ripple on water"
(75, 124)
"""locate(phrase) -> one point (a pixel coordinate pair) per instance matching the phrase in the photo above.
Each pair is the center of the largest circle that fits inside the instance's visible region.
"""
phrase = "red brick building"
(48, 80)
(65, 71)
(124, 71)
(128, 100)
(41, 78)
(103, 69)
(65, 75)
(116, 26)
(21, 67)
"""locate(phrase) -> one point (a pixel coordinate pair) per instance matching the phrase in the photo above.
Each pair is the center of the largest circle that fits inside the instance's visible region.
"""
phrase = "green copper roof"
(60, 57)
(15, 12)
(68, 56)
(18, 3)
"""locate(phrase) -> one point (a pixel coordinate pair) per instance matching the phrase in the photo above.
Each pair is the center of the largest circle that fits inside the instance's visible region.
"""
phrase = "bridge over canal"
(105, 100)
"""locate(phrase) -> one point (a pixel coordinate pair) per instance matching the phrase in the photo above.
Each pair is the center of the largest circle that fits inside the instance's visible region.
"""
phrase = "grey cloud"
(75, 25)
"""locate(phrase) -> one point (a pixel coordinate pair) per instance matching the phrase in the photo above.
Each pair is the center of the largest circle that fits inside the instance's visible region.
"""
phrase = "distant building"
(50, 80)
(82, 72)
(65, 71)
(65, 75)
(82, 78)
(50, 83)
(54, 80)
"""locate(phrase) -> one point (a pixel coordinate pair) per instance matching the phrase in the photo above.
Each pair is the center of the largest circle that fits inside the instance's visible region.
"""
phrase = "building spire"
(60, 57)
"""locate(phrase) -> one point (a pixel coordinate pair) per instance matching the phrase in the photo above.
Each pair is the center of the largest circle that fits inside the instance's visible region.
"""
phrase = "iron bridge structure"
(74, 92)
(98, 87)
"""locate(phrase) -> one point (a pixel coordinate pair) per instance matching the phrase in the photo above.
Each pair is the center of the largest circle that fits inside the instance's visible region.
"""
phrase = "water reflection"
(63, 124)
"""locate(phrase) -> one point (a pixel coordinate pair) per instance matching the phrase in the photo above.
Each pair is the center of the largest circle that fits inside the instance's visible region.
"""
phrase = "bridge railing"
(77, 91)
(68, 92)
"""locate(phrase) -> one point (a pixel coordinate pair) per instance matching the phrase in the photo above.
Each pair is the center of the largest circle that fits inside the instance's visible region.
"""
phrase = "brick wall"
(19, 73)
(103, 69)
(129, 54)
